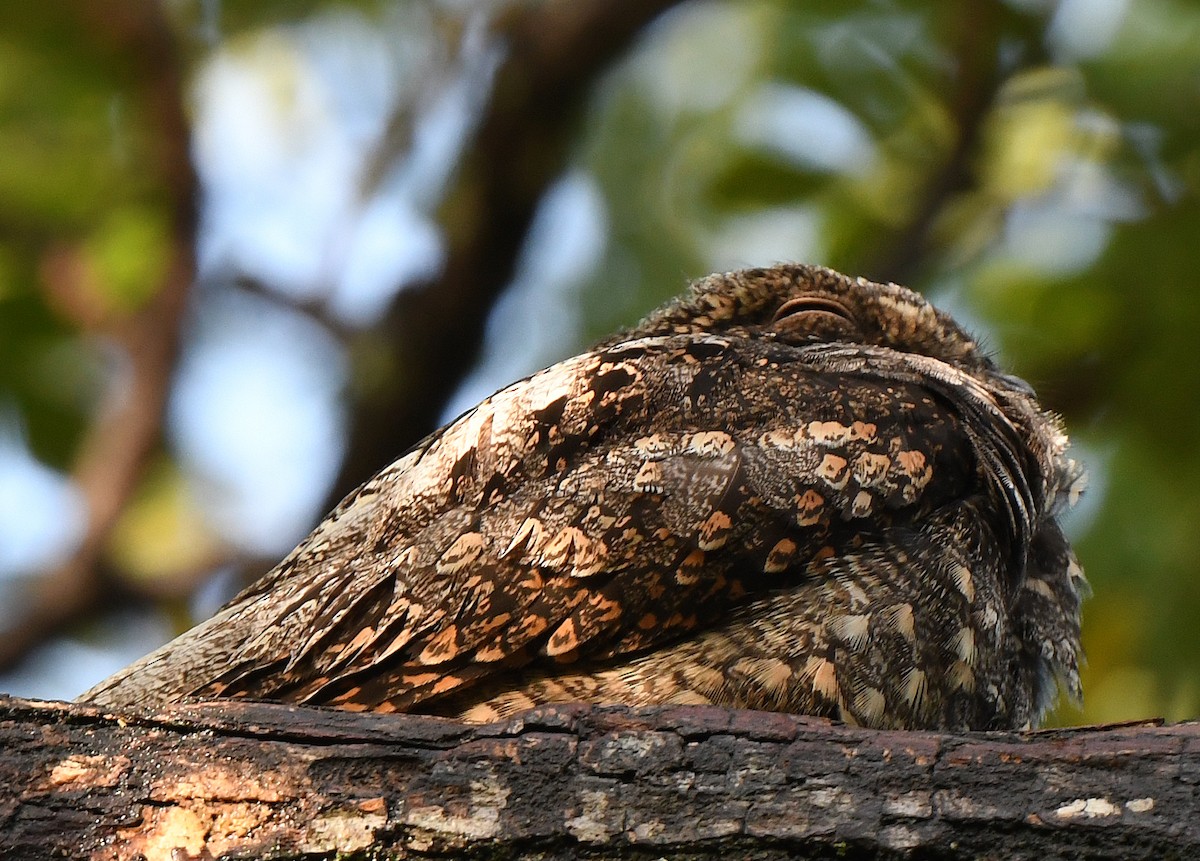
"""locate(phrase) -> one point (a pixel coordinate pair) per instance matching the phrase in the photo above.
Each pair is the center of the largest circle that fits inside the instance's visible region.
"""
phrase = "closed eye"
(813, 304)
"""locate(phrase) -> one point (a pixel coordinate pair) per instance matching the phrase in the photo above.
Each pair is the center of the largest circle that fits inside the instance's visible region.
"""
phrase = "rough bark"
(270, 781)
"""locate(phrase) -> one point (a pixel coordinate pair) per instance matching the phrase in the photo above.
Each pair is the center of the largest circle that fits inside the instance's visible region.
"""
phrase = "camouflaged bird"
(785, 490)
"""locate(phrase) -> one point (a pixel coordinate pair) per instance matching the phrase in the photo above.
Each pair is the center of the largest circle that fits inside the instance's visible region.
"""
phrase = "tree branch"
(272, 781)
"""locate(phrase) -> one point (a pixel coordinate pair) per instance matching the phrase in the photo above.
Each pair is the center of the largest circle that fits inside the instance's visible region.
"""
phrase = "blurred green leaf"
(129, 252)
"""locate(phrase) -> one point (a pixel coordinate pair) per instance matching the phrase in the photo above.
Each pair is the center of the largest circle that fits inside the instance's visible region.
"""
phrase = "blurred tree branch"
(126, 427)
(556, 51)
(981, 30)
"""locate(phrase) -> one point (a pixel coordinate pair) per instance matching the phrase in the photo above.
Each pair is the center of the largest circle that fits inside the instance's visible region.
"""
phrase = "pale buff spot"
(571, 550)
(961, 676)
(857, 595)
(481, 713)
(862, 504)
(623, 369)
(564, 640)
(809, 506)
(498, 708)
(419, 680)
(964, 645)
(723, 305)
(714, 531)
(864, 431)
(688, 573)
(829, 432)
(490, 654)
(869, 705)
(913, 464)
(833, 470)
(583, 401)
(916, 685)
(361, 639)
(629, 678)
(824, 678)
(465, 550)
(528, 537)
(1041, 587)
(590, 558)
(900, 619)
(906, 316)
(710, 443)
(649, 478)
(871, 469)
(964, 582)
(989, 619)
(447, 683)
(688, 698)
(350, 699)
(656, 445)
(501, 620)
(518, 700)
(782, 438)
(845, 715)
(852, 629)
(780, 556)
(529, 626)
(604, 609)
(706, 681)
(770, 674)
(557, 690)
(404, 557)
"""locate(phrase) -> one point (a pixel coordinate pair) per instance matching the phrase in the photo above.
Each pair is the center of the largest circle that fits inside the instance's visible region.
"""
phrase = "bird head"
(803, 304)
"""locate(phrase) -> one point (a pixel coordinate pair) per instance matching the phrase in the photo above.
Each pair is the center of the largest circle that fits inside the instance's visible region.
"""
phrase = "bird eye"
(814, 318)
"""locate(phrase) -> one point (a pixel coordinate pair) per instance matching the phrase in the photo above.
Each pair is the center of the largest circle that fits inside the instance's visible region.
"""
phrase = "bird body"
(786, 490)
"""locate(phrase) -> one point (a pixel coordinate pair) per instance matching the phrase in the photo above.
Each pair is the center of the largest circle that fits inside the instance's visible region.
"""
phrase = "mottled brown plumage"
(785, 490)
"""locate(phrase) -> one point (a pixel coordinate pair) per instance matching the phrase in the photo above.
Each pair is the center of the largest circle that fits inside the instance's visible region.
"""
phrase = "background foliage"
(198, 355)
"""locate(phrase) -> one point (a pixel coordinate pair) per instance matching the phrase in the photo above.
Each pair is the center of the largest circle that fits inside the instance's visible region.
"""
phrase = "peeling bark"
(234, 779)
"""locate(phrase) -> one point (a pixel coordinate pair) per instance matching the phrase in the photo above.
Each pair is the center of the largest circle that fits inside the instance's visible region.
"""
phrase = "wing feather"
(608, 505)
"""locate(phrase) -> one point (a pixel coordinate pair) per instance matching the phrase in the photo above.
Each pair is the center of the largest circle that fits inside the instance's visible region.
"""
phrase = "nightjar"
(786, 490)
